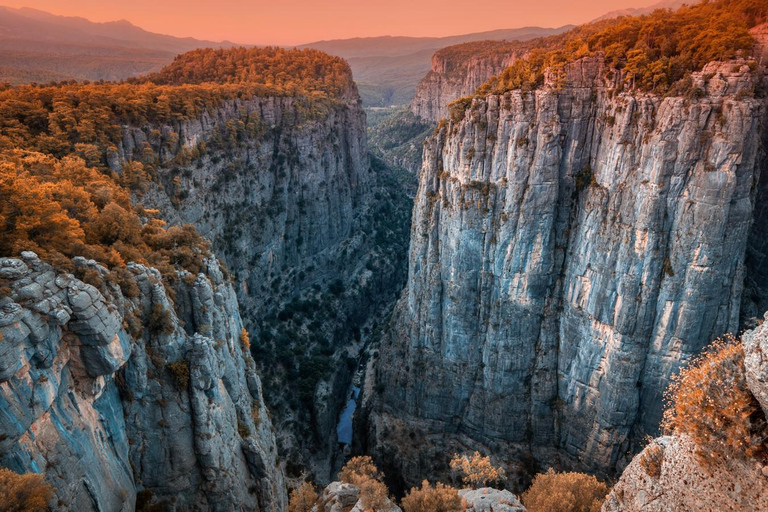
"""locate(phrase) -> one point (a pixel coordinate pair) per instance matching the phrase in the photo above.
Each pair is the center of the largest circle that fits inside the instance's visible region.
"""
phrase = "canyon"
(570, 246)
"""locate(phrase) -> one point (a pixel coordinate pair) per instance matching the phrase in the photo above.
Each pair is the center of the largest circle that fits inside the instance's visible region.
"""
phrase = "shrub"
(363, 473)
(476, 470)
(23, 493)
(710, 401)
(160, 320)
(180, 372)
(358, 470)
(374, 496)
(245, 340)
(243, 429)
(441, 498)
(651, 460)
(303, 498)
(564, 492)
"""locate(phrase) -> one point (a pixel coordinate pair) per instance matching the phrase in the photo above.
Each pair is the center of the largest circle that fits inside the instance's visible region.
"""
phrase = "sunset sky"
(302, 21)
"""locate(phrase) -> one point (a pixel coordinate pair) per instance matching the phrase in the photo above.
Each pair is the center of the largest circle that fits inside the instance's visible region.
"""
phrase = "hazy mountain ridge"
(387, 68)
(39, 46)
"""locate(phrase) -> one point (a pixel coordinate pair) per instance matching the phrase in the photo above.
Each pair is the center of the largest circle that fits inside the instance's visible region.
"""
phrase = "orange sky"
(301, 21)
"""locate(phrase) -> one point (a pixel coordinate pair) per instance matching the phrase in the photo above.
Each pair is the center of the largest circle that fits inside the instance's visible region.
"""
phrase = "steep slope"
(294, 213)
(397, 137)
(570, 247)
(122, 399)
(315, 235)
(264, 150)
(456, 71)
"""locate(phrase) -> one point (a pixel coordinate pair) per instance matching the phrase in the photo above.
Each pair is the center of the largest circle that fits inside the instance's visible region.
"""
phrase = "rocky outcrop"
(677, 482)
(120, 399)
(487, 499)
(570, 248)
(668, 475)
(755, 344)
(457, 71)
(344, 497)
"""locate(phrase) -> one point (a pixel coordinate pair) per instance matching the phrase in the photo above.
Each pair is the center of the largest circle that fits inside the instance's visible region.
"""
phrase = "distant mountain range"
(37, 46)
(639, 11)
(387, 69)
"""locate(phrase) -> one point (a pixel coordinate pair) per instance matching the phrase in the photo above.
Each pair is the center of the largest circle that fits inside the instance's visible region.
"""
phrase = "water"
(344, 428)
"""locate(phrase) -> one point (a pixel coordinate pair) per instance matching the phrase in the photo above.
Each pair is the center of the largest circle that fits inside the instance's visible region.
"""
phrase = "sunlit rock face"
(453, 76)
(570, 248)
(110, 401)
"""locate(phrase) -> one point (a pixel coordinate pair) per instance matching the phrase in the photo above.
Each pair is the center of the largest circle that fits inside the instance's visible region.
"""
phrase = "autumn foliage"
(564, 492)
(476, 470)
(710, 402)
(58, 196)
(363, 473)
(303, 498)
(62, 208)
(23, 493)
(438, 498)
(285, 71)
(653, 52)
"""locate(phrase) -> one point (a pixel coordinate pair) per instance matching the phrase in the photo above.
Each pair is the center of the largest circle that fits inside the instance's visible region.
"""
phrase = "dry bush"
(476, 470)
(303, 498)
(710, 401)
(441, 498)
(363, 473)
(23, 493)
(374, 496)
(180, 372)
(359, 470)
(651, 460)
(245, 339)
(564, 492)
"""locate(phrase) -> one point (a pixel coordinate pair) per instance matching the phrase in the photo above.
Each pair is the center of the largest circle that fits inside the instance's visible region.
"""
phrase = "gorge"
(212, 290)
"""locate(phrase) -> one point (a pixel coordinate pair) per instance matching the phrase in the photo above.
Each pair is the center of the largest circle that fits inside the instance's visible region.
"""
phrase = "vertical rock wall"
(570, 248)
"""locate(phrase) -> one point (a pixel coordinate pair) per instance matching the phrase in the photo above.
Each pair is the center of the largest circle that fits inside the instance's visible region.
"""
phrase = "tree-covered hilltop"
(58, 196)
(653, 52)
(287, 71)
(55, 118)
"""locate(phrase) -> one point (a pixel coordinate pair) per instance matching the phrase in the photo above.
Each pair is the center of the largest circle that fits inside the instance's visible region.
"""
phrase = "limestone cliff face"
(457, 71)
(570, 247)
(315, 236)
(114, 397)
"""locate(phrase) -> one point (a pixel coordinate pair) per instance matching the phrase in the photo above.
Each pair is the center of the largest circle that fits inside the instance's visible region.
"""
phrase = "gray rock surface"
(343, 497)
(755, 344)
(291, 205)
(99, 410)
(487, 499)
(457, 71)
(681, 484)
(570, 248)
